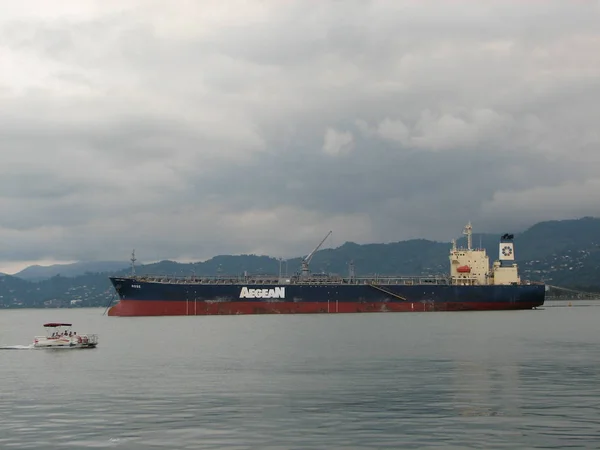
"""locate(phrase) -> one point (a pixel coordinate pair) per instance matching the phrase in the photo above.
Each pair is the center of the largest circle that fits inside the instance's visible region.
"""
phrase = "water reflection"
(485, 389)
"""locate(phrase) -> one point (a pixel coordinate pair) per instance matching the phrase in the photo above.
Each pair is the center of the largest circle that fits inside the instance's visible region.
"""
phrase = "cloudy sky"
(194, 128)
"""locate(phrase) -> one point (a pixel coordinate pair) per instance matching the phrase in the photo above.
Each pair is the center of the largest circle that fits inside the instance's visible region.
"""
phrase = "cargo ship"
(471, 285)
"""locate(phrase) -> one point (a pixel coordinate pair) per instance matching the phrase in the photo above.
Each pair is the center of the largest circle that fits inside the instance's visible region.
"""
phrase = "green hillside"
(562, 253)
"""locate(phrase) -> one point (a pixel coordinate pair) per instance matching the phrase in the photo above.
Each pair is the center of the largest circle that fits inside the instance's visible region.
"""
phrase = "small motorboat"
(60, 335)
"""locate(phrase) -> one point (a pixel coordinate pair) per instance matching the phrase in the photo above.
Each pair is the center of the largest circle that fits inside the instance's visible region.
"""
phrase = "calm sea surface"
(525, 379)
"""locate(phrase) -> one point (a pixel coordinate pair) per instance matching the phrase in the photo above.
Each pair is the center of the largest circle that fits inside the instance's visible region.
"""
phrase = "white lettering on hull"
(278, 292)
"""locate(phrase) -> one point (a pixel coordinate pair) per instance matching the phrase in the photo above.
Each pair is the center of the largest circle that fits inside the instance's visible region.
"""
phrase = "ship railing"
(258, 280)
(529, 282)
(213, 280)
(420, 280)
(92, 338)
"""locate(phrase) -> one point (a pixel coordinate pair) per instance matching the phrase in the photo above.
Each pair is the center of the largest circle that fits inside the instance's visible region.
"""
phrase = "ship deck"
(274, 280)
(311, 280)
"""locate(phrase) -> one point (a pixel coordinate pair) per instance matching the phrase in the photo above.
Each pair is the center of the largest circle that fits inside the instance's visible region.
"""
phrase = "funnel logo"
(507, 250)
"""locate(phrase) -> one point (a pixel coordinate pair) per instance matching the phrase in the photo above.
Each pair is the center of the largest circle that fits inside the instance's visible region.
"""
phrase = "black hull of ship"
(138, 297)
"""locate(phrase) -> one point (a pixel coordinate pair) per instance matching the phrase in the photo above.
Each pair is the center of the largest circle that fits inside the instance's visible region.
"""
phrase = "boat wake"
(33, 347)
(17, 347)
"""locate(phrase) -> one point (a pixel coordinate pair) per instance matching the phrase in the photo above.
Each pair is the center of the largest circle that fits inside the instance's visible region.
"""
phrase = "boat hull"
(83, 341)
(139, 298)
(63, 346)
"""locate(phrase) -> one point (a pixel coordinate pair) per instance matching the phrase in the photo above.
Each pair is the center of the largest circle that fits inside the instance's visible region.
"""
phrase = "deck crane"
(306, 261)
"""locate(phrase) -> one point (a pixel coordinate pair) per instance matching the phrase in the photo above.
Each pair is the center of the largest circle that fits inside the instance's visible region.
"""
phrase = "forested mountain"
(562, 253)
(38, 273)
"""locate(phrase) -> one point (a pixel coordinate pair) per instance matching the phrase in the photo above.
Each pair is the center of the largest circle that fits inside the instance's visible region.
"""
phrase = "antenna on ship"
(351, 269)
(306, 261)
(133, 260)
(468, 231)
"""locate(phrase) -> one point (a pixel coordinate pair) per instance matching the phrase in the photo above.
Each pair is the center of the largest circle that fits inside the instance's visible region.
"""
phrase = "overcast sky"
(194, 128)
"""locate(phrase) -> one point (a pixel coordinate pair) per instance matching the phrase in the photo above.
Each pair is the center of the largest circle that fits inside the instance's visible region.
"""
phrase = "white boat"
(60, 335)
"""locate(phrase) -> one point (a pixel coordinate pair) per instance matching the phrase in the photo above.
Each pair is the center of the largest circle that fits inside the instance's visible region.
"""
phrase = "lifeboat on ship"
(463, 269)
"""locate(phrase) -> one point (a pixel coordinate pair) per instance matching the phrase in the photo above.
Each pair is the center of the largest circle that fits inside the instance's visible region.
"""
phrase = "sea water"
(518, 379)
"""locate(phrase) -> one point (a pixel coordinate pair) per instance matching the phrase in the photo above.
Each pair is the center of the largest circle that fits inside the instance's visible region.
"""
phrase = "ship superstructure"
(470, 267)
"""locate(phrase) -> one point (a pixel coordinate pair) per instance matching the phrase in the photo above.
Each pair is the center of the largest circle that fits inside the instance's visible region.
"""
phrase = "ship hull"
(139, 298)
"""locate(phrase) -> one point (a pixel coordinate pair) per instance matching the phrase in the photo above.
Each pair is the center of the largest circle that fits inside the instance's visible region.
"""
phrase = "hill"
(562, 253)
(37, 273)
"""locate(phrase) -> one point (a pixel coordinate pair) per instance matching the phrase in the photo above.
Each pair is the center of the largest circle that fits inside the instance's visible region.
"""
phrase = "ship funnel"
(507, 249)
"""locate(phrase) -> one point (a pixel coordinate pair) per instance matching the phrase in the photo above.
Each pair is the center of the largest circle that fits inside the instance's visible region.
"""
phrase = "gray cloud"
(212, 128)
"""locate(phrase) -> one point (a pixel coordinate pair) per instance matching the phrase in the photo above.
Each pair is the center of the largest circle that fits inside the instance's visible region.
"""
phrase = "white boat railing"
(91, 338)
(86, 338)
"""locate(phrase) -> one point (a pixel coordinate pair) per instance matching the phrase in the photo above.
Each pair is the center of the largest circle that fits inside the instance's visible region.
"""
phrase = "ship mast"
(306, 261)
(468, 231)
(133, 260)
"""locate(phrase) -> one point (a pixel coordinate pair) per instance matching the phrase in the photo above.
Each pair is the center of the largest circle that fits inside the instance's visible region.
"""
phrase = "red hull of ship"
(130, 308)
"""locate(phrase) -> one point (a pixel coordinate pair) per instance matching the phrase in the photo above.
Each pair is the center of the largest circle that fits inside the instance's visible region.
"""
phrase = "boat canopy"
(57, 324)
